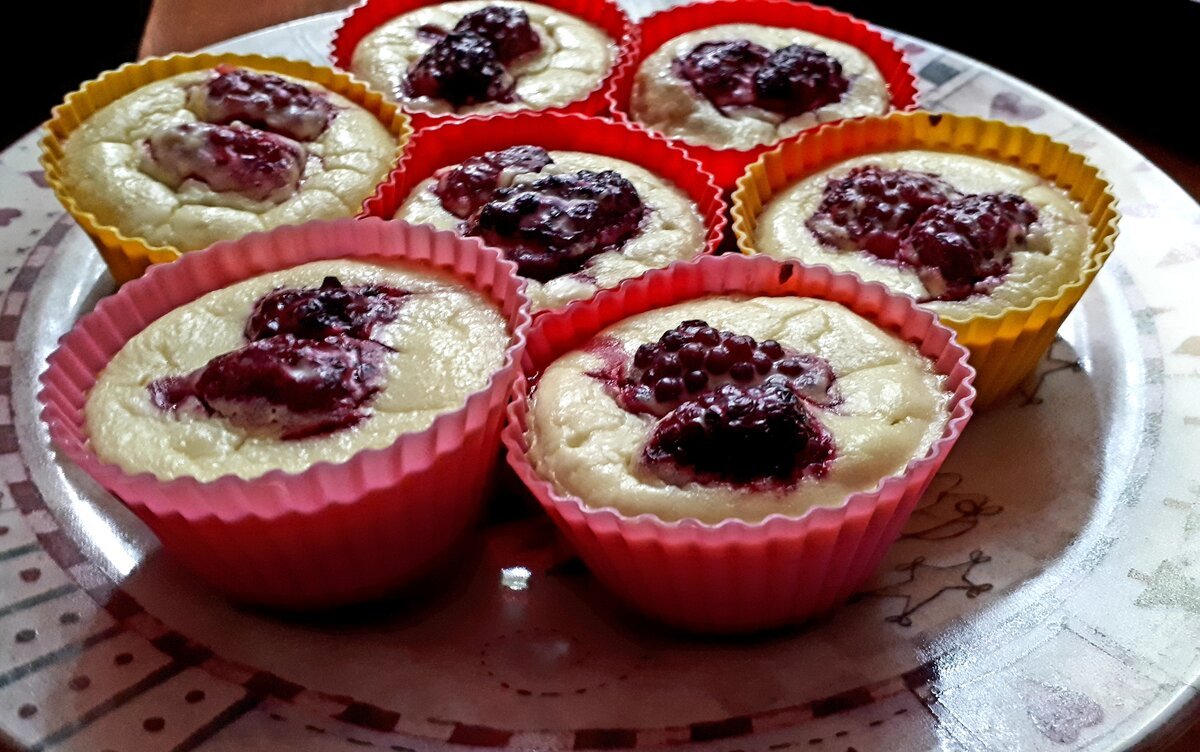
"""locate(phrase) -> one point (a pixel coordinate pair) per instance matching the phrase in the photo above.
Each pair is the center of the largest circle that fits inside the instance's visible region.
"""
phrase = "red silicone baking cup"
(454, 142)
(333, 533)
(727, 165)
(604, 14)
(737, 576)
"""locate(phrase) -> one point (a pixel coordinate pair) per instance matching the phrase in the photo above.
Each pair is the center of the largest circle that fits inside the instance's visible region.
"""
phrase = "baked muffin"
(214, 154)
(573, 222)
(310, 364)
(741, 85)
(733, 408)
(965, 235)
(479, 57)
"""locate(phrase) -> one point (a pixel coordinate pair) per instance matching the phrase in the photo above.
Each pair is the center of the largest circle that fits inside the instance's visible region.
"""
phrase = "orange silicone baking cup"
(129, 257)
(658, 29)
(606, 15)
(1006, 347)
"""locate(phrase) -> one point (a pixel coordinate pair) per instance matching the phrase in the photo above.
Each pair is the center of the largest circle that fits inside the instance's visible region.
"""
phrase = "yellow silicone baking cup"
(128, 257)
(1006, 347)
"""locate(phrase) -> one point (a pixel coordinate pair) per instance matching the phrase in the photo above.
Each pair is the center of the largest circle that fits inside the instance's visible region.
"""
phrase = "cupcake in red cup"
(579, 203)
(731, 444)
(474, 57)
(305, 417)
(730, 78)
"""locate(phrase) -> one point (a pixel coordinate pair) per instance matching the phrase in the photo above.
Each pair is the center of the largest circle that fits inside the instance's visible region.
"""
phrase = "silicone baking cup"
(128, 257)
(604, 14)
(738, 576)
(334, 533)
(454, 142)
(656, 30)
(1005, 348)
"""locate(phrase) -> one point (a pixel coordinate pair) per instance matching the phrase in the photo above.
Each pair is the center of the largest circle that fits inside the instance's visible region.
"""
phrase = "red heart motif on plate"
(1010, 106)
(1060, 714)
(38, 177)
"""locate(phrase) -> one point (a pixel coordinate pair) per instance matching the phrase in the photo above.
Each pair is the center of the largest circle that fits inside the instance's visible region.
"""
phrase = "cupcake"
(477, 57)
(737, 86)
(733, 407)
(965, 235)
(772, 423)
(305, 417)
(730, 78)
(309, 364)
(974, 232)
(171, 155)
(579, 204)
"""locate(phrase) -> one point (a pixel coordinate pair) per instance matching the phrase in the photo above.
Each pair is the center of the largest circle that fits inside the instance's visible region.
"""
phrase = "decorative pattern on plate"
(928, 582)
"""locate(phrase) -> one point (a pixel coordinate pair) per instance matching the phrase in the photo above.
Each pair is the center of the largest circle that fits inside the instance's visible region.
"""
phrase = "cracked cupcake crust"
(106, 171)
(1056, 251)
(671, 230)
(664, 102)
(446, 342)
(574, 58)
(893, 407)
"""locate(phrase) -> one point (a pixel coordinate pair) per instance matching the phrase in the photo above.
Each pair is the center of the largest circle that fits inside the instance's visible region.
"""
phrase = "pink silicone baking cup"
(654, 31)
(604, 14)
(334, 533)
(454, 142)
(737, 576)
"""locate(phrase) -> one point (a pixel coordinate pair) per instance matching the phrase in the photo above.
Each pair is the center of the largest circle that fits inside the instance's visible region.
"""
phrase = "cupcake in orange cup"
(732, 443)
(729, 78)
(579, 203)
(306, 417)
(170, 155)
(467, 58)
(996, 229)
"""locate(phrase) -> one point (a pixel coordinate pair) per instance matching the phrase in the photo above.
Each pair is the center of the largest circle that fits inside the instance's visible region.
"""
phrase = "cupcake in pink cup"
(732, 445)
(305, 417)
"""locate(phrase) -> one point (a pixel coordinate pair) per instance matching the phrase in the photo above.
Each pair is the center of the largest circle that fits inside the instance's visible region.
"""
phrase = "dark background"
(1133, 66)
(55, 47)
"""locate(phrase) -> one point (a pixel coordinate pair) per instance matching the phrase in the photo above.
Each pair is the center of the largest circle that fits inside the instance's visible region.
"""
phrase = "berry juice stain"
(468, 64)
(727, 409)
(790, 81)
(260, 165)
(959, 245)
(552, 226)
(310, 366)
(263, 101)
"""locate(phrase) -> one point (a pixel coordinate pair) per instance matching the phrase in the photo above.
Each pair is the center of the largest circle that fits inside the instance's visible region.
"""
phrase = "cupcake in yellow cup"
(173, 154)
(996, 229)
